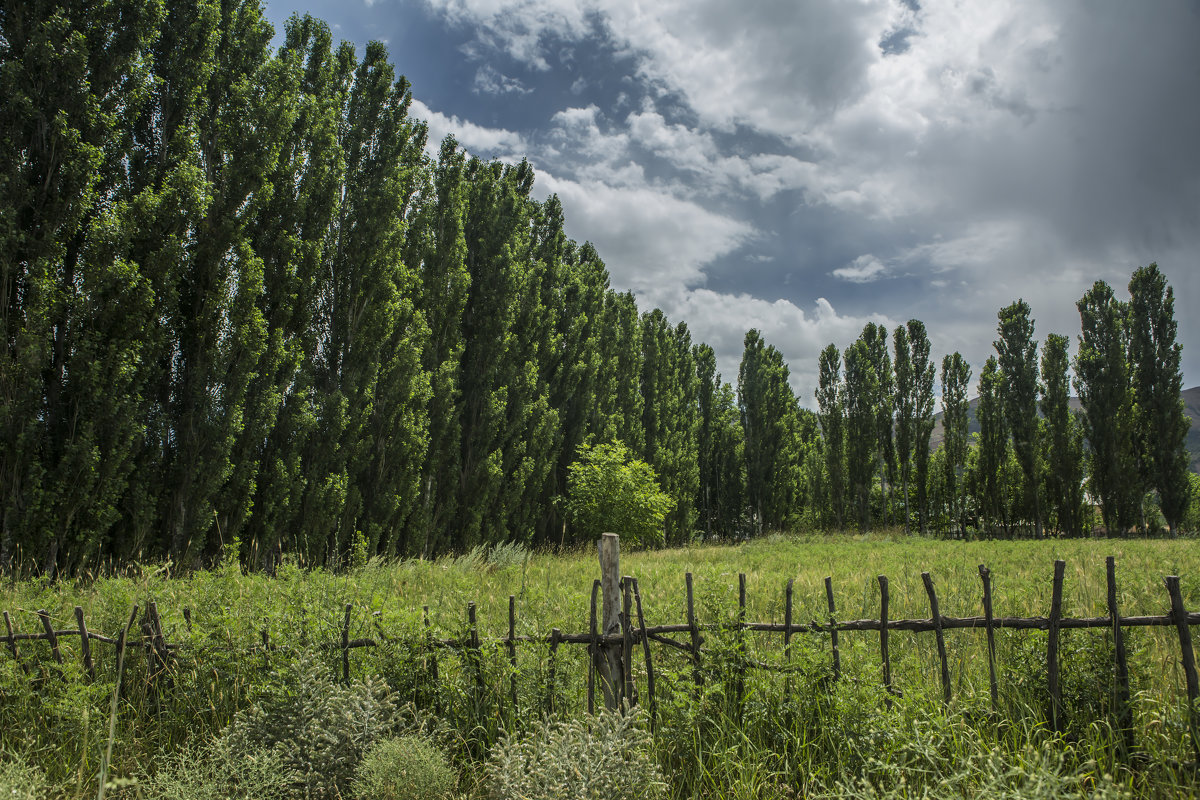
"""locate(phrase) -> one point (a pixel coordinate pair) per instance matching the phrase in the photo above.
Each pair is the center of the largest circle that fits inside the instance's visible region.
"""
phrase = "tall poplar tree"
(831, 402)
(768, 411)
(1102, 380)
(1063, 451)
(993, 445)
(1017, 353)
(914, 411)
(669, 418)
(73, 78)
(861, 388)
(1161, 424)
(956, 376)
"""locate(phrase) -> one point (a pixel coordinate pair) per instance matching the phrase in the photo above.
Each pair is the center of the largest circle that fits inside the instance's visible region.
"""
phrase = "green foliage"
(403, 768)
(607, 756)
(319, 729)
(956, 375)
(610, 491)
(773, 437)
(1102, 380)
(20, 780)
(1157, 379)
(1017, 357)
(217, 772)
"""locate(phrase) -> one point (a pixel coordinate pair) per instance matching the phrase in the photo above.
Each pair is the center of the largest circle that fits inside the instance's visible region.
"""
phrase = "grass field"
(792, 735)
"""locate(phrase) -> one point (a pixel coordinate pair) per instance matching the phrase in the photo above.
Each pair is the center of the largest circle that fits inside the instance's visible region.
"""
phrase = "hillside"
(1191, 406)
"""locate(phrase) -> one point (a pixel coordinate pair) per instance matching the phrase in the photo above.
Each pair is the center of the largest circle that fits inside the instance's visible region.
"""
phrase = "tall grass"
(798, 734)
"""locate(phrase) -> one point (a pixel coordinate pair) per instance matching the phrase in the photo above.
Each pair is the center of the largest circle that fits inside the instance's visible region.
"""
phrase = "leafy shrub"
(403, 768)
(607, 756)
(216, 773)
(318, 728)
(609, 490)
(20, 781)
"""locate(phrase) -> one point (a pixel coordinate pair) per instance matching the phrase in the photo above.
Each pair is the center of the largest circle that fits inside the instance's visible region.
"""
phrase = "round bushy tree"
(610, 490)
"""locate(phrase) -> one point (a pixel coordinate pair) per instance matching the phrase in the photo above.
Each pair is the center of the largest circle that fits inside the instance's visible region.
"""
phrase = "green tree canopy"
(608, 490)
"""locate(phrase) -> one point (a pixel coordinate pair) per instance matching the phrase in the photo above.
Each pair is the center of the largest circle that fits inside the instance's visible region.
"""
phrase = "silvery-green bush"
(404, 768)
(607, 756)
(318, 728)
(19, 780)
(213, 772)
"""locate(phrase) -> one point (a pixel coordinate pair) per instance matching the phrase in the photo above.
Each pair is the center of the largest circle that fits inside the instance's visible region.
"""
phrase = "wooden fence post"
(44, 616)
(937, 632)
(985, 575)
(612, 673)
(637, 596)
(630, 690)
(833, 634)
(739, 687)
(346, 646)
(1121, 662)
(512, 654)
(694, 630)
(1189, 659)
(552, 669)
(594, 654)
(787, 635)
(85, 646)
(433, 659)
(1052, 646)
(883, 639)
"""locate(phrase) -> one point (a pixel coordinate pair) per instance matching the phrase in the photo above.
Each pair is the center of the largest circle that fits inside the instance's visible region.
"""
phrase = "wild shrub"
(607, 756)
(404, 768)
(216, 772)
(318, 728)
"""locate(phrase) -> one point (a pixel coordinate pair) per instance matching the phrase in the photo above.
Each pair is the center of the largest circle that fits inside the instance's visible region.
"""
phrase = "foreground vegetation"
(244, 722)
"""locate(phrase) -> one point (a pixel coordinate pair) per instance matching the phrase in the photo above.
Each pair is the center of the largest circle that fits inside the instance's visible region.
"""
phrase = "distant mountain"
(1191, 407)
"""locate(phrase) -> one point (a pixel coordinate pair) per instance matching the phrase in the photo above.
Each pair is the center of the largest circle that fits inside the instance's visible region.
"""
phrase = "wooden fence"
(617, 628)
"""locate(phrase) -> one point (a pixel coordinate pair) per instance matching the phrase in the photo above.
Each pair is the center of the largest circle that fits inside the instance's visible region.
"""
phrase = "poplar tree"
(720, 446)
(1160, 423)
(1063, 440)
(993, 444)
(1102, 380)
(831, 402)
(956, 376)
(768, 411)
(914, 411)
(73, 77)
(619, 403)
(1017, 353)
(861, 388)
(876, 338)
(436, 247)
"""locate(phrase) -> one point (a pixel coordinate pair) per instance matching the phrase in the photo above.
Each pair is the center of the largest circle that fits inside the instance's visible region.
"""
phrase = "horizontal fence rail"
(632, 633)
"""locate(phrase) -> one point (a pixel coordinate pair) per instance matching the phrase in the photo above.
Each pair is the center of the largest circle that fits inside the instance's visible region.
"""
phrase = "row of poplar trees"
(241, 303)
(1034, 466)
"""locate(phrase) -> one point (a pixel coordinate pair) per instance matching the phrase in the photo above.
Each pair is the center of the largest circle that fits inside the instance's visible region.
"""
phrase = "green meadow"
(790, 732)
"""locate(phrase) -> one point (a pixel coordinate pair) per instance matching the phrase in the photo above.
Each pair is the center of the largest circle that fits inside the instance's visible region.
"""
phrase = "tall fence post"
(985, 575)
(833, 633)
(937, 630)
(1121, 662)
(883, 639)
(1189, 659)
(612, 672)
(694, 631)
(1052, 646)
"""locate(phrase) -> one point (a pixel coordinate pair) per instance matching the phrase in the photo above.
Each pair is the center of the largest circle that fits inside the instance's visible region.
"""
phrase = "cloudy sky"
(806, 167)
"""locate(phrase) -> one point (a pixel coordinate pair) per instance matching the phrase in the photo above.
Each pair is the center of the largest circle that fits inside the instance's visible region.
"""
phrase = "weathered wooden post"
(611, 666)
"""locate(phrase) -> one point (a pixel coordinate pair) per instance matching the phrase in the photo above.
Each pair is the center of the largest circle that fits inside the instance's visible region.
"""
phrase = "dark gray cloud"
(805, 167)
